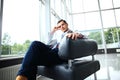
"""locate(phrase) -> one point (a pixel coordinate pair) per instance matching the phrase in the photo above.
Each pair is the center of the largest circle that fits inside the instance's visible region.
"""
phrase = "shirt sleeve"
(54, 37)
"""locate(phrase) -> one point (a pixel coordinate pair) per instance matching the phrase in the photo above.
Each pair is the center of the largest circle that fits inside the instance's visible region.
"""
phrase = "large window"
(94, 17)
(27, 20)
(20, 26)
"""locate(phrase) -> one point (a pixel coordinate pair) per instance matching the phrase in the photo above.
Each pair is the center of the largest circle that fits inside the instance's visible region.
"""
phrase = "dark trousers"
(38, 54)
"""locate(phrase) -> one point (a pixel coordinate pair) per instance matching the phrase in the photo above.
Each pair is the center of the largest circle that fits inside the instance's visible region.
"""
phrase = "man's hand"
(55, 29)
(74, 35)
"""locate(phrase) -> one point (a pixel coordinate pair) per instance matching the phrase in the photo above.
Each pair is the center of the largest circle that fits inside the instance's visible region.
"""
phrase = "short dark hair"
(61, 21)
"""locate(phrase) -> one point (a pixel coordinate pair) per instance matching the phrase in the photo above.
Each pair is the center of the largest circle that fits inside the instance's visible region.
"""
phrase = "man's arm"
(51, 34)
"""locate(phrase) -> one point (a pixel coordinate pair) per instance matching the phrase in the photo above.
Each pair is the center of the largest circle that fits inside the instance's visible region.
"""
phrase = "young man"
(45, 54)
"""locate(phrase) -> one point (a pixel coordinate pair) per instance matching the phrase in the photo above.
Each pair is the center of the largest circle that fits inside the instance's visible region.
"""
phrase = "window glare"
(90, 5)
(93, 20)
(21, 22)
(79, 5)
(20, 26)
(108, 19)
(116, 3)
(118, 16)
(105, 4)
(84, 5)
(87, 21)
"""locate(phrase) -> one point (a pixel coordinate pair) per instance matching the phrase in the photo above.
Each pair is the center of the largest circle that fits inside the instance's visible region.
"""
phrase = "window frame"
(1, 13)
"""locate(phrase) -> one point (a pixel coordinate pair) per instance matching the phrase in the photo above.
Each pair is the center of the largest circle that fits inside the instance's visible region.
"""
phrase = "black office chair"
(75, 69)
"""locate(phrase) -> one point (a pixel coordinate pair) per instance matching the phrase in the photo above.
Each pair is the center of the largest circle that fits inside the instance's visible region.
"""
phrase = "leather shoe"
(19, 77)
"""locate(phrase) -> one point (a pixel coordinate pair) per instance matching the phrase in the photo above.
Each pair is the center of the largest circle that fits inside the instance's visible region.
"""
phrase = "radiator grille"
(9, 73)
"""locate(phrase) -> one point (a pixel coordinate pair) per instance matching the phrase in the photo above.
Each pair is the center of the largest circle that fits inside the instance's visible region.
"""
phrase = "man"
(44, 54)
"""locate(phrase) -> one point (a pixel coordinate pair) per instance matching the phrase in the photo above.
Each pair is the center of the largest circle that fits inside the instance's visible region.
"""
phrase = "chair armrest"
(71, 49)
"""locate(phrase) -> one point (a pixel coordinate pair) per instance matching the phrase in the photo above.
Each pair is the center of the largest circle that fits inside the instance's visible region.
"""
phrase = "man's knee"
(37, 43)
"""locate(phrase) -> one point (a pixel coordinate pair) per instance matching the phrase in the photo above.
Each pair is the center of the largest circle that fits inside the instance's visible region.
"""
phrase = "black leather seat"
(75, 69)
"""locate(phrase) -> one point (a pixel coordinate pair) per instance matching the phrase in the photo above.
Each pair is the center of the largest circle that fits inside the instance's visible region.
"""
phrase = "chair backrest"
(71, 49)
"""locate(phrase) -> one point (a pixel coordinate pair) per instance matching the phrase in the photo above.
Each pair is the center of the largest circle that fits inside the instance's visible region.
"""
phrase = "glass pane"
(112, 37)
(63, 14)
(52, 4)
(58, 7)
(68, 4)
(79, 22)
(116, 3)
(87, 21)
(108, 19)
(92, 20)
(90, 5)
(105, 4)
(117, 11)
(77, 6)
(20, 25)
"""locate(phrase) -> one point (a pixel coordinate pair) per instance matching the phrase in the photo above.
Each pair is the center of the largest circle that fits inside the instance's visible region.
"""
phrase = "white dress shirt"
(54, 39)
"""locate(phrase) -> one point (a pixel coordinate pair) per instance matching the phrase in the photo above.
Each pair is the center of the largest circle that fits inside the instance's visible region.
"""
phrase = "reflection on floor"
(110, 67)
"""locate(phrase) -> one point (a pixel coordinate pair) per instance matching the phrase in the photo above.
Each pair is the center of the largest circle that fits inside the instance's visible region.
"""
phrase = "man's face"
(62, 26)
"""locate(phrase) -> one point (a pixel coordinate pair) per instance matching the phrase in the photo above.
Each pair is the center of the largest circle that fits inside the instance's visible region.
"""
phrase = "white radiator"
(9, 73)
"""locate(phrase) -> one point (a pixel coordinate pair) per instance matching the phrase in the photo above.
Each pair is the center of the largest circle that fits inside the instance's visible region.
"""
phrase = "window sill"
(10, 61)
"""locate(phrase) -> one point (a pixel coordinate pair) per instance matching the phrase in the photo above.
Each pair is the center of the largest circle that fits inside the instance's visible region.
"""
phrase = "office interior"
(23, 21)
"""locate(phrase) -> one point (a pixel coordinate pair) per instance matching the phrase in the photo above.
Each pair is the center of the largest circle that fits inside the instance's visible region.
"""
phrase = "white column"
(47, 17)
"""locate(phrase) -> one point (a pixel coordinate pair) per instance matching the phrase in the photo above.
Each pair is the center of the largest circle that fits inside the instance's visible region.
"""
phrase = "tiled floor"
(109, 67)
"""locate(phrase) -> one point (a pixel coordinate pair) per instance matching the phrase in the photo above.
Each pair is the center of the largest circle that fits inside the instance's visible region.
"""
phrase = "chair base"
(79, 70)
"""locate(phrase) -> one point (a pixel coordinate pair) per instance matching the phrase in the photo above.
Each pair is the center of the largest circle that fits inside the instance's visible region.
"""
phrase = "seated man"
(45, 54)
